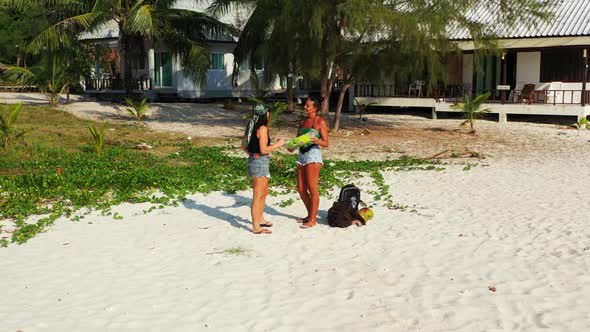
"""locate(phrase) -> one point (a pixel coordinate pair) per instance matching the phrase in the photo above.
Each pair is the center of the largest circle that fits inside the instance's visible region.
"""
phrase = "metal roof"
(109, 30)
(571, 18)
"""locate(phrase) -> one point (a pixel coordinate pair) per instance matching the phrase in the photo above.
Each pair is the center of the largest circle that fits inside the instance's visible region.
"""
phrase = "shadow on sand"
(237, 221)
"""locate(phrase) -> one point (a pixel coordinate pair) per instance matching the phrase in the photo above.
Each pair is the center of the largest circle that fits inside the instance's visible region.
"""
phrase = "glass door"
(163, 69)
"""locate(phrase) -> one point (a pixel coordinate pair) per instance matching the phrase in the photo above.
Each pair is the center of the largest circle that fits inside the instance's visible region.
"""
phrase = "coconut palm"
(48, 76)
(8, 133)
(471, 109)
(183, 31)
(138, 109)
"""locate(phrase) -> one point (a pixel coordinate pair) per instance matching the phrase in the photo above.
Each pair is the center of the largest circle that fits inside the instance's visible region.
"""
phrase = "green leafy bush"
(58, 183)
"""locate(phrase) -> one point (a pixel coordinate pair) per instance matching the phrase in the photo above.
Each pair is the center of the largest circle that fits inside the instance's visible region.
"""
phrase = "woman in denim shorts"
(310, 162)
(257, 144)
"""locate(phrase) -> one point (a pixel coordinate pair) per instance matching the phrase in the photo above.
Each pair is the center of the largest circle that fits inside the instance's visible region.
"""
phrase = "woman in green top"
(310, 162)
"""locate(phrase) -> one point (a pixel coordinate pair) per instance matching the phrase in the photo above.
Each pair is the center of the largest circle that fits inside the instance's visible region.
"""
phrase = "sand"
(502, 247)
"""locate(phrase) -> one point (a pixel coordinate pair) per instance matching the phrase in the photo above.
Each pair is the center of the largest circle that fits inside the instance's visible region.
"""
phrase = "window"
(565, 65)
(217, 61)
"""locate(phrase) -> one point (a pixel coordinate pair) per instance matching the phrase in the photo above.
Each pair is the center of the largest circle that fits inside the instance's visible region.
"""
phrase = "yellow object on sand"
(366, 213)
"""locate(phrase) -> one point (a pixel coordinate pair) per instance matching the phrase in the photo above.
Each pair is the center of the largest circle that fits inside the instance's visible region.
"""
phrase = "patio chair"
(416, 87)
(527, 95)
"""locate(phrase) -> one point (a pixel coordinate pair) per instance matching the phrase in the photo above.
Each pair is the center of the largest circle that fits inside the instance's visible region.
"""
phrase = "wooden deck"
(574, 110)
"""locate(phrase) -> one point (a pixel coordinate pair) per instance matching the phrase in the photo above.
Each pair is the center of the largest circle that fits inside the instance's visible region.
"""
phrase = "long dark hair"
(262, 121)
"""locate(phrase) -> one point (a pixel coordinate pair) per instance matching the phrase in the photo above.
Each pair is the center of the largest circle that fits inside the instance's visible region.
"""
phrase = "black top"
(254, 146)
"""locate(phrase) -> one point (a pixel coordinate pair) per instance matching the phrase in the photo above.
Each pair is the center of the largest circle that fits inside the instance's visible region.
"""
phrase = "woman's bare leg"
(302, 189)
(264, 222)
(312, 178)
(260, 185)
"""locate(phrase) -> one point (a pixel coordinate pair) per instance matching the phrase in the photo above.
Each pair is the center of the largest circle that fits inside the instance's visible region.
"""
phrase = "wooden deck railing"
(457, 94)
(116, 84)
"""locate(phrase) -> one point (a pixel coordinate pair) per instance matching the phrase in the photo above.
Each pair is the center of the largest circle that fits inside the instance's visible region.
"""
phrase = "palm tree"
(182, 31)
(471, 109)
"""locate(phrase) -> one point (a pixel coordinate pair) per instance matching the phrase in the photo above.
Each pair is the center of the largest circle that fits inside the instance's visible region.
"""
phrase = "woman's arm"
(324, 141)
(263, 139)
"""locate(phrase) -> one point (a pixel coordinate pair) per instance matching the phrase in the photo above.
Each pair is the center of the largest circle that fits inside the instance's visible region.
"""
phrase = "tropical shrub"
(98, 136)
(471, 109)
(8, 133)
(138, 109)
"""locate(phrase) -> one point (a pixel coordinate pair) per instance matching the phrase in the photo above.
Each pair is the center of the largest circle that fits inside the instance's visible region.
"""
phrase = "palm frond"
(477, 101)
(20, 75)
(108, 6)
(219, 8)
(14, 115)
(140, 20)
(196, 62)
(458, 106)
(62, 34)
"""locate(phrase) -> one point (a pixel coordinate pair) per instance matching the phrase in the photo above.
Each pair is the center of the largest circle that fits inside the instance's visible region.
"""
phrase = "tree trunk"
(68, 95)
(290, 105)
(326, 86)
(125, 50)
(336, 125)
(329, 87)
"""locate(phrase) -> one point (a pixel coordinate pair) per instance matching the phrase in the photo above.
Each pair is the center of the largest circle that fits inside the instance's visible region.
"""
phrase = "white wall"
(468, 69)
(528, 68)
(219, 82)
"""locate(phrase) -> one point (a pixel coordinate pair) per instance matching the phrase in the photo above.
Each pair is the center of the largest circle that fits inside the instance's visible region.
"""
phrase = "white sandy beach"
(515, 223)
(520, 227)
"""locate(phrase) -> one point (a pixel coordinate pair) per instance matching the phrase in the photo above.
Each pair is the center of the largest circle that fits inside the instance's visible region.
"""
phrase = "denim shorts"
(259, 167)
(314, 155)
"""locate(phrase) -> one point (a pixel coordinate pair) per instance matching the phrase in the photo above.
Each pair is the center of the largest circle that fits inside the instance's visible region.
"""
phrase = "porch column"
(504, 70)
(96, 63)
(151, 65)
(584, 77)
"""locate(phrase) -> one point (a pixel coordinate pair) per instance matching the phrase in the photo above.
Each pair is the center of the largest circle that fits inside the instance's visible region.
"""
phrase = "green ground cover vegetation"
(57, 172)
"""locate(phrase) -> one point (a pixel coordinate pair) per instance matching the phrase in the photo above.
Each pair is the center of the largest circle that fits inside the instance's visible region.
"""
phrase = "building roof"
(571, 18)
(109, 30)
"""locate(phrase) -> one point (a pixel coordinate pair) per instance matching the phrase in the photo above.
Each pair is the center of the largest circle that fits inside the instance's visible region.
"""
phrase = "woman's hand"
(280, 142)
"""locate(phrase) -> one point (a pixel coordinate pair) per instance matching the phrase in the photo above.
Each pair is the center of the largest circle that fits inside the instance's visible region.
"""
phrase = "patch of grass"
(287, 202)
(48, 128)
(236, 251)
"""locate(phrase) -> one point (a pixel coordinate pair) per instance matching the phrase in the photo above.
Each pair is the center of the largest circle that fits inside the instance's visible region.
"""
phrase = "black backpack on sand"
(350, 194)
(341, 214)
(345, 210)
